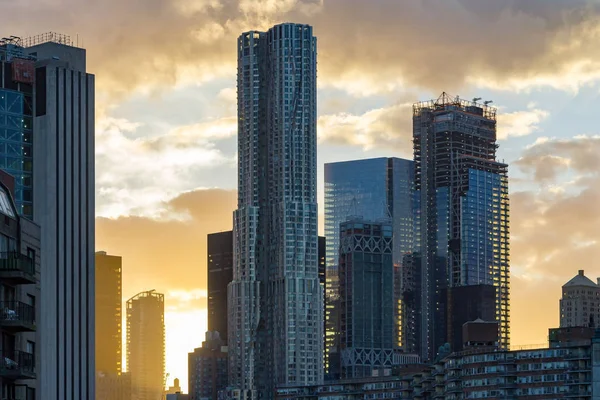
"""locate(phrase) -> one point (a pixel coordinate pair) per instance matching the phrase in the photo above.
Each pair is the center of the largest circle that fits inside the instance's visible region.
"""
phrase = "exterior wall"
(534, 374)
(207, 369)
(580, 306)
(19, 302)
(366, 298)
(275, 298)
(63, 202)
(372, 189)
(464, 213)
(108, 326)
(146, 345)
(16, 136)
(220, 274)
(30, 234)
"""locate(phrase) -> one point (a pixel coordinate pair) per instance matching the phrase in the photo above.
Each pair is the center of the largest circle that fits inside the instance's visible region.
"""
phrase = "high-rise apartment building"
(108, 326)
(580, 302)
(366, 315)
(464, 213)
(53, 164)
(146, 345)
(374, 189)
(220, 273)
(207, 368)
(275, 299)
(19, 295)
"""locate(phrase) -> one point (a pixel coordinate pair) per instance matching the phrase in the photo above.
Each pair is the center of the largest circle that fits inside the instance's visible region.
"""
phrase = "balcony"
(16, 269)
(20, 392)
(17, 365)
(16, 316)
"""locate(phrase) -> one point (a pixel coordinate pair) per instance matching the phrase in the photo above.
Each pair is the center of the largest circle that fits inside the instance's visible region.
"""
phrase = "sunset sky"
(166, 123)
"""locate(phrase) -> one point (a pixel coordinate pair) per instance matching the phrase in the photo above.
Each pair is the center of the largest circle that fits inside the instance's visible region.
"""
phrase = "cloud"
(168, 255)
(555, 229)
(364, 47)
(136, 173)
(387, 127)
(520, 123)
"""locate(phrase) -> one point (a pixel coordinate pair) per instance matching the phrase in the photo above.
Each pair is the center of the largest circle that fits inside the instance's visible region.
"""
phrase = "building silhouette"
(220, 273)
(207, 368)
(146, 345)
(366, 315)
(373, 188)
(580, 302)
(108, 326)
(464, 211)
(47, 144)
(275, 300)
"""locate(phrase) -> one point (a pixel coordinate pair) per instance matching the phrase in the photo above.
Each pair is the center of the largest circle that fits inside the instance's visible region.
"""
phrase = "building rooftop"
(581, 280)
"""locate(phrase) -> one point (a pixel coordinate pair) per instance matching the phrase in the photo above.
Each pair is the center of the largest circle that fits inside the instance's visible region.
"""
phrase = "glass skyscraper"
(275, 299)
(374, 189)
(464, 214)
(366, 315)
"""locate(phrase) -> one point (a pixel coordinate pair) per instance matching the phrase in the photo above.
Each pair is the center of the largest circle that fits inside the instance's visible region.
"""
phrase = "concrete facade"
(63, 202)
(580, 302)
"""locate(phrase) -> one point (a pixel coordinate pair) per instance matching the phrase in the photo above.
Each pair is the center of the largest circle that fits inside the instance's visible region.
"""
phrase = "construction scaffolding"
(48, 37)
(465, 212)
(447, 102)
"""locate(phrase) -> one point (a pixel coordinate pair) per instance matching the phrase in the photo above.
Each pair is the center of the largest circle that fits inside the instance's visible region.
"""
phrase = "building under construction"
(464, 212)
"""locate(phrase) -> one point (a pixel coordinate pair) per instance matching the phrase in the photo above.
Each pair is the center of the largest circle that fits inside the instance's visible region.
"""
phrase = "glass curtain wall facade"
(16, 122)
(464, 218)
(366, 318)
(374, 189)
(275, 299)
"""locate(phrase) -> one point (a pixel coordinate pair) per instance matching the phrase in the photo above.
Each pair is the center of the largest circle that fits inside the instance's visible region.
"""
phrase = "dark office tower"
(464, 210)
(373, 189)
(146, 345)
(468, 304)
(48, 145)
(220, 273)
(275, 300)
(366, 317)
(207, 368)
(108, 326)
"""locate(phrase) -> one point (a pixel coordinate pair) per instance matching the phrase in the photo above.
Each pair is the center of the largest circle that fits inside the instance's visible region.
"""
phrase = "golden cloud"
(364, 47)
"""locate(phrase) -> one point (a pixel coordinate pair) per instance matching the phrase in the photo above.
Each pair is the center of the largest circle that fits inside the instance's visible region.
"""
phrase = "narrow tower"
(275, 299)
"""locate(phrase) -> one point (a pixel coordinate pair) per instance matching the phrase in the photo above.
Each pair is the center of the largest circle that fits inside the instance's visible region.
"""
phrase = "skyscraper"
(220, 270)
(108, 326)
(366, 316)
(275, 299)
(464, 215)
(49, 148)
(146, 345)
(372, 189)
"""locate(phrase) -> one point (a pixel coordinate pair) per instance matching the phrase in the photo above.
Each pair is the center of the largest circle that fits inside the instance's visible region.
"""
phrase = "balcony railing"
(16, 268)
(17, 365)
(16, 316)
